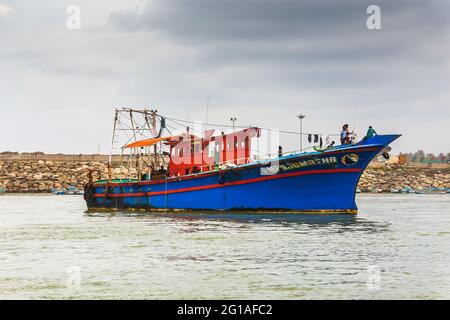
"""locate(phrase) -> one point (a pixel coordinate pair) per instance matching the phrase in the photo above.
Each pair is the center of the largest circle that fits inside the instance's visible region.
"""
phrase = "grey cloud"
(262, 61)
(235, 20)
(299, 34)
(322, 47)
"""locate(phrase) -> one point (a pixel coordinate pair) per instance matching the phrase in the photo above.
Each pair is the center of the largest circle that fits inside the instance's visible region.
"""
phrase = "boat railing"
(255, 159)
(247, 160)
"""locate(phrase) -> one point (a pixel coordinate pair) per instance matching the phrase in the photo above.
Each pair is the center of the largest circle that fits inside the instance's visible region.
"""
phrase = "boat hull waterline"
(316, 182)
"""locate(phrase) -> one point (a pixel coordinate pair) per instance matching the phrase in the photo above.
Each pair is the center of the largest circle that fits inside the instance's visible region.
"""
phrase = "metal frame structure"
(131, 125)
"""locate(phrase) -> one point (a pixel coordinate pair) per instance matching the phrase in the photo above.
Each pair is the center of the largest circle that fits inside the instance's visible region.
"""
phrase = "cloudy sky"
(263, 61)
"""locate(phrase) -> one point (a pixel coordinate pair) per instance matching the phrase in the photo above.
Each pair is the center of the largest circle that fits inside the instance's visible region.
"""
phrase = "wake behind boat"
(188, 172)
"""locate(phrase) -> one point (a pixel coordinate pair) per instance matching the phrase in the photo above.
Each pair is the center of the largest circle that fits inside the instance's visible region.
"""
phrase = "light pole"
(301, 117)
(233, 119)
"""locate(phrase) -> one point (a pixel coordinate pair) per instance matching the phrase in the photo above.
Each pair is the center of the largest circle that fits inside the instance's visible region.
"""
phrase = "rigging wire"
(180, 124)
(177, 121)
(191, 129)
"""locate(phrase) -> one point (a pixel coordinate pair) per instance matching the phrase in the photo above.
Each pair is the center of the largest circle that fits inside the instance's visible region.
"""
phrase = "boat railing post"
(109, 172)
(165, 196)
(129, 165)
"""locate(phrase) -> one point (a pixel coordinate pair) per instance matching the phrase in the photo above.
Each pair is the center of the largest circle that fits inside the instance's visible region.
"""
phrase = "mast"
(113, 140)
(113, 136)
(154, 132)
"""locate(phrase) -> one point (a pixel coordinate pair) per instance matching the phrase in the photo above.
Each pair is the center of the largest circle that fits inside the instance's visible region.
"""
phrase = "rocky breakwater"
(398, 178)
(43, 176)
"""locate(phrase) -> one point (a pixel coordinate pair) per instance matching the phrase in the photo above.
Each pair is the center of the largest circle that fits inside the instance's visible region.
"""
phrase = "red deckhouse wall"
(201, 155)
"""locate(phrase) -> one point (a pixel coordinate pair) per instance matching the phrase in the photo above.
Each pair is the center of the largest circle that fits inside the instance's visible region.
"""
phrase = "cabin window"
(228, 145)
(210, 149)
(235, 143)
(242, 144)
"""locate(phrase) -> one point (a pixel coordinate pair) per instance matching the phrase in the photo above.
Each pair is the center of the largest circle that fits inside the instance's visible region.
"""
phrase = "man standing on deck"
(345, 135)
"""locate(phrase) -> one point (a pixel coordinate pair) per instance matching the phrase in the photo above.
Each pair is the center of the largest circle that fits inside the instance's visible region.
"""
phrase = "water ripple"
(396, 248)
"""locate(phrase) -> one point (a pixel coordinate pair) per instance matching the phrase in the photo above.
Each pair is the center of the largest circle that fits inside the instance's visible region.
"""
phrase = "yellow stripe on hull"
(237, 211)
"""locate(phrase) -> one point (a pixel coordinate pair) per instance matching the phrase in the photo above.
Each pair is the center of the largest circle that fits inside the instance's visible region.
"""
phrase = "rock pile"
(399, 178)
(42, 176)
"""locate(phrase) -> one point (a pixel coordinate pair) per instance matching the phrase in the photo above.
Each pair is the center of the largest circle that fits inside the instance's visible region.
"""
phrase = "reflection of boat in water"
(217, 173)
(341, 223)
(2, 190)
(71, 190)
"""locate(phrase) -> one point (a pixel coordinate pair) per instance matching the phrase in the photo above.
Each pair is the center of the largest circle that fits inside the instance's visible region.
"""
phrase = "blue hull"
(308, 182)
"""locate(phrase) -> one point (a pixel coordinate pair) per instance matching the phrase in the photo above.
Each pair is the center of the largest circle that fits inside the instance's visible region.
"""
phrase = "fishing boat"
(57, 191)
(432, 191)
(70, 190)
(217, 172)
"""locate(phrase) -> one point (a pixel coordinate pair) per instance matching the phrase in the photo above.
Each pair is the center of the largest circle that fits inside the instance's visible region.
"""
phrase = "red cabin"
(191, 154)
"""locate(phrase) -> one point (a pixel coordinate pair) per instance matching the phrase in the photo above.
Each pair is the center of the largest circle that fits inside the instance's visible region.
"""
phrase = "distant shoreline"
(56, 156)
(21, 174)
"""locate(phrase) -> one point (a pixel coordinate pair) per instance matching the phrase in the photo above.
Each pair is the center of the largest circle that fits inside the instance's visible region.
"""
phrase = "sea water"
(397, 247)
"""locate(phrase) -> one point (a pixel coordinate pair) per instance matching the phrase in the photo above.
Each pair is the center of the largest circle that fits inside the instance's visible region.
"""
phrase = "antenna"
(113, 139)
(356, 117)
(207, 109)
(301, 116)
